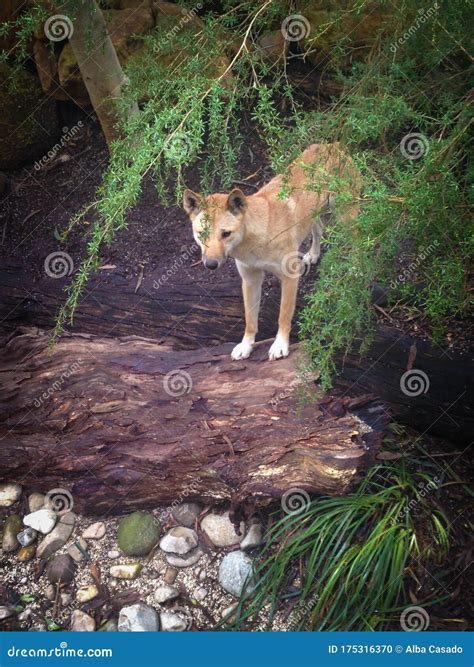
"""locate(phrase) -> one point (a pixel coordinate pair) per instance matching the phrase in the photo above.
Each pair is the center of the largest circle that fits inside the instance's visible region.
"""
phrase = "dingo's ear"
(191, 202)
(236, 202)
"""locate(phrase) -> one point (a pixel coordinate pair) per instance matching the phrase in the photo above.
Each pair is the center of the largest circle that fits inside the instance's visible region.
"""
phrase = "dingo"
(263, 232)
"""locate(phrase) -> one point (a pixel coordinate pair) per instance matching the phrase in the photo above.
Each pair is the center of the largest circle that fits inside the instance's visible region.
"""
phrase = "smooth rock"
(9, 494)
(228, 613)
(138, 618)
(58, 537)
(6, 612)
(78, 550)
(27, 536)
(172, 622)
(25, 615)
(235, 572)
(42, 520)
(220, 530)
(186, 513)
(202, 576)
(170, 575)
(96, 531)
(138, 533)
(66, 599)
(187, 560)
(179, 540)
(35, 501)
(126, 571)
(109, 626)
(165, 593)
(12, 527)
(86, 593)
(113, 554)
(61, 569)
(26, 554)
(50, 592)
(199, 594)
(254, 537)
(82, 622)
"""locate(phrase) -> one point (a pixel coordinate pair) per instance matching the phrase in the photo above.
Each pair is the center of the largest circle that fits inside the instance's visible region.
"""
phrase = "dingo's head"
(218, 224)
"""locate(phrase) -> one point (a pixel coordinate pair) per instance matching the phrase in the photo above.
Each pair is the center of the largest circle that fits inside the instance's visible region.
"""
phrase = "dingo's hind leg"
(312, 256)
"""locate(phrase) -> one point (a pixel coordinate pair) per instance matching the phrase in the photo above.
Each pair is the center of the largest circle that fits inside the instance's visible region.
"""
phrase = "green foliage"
(352, 557)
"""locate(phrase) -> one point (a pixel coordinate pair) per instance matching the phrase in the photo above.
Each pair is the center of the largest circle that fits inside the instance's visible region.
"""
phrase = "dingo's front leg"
(252, 280)
(281, 345)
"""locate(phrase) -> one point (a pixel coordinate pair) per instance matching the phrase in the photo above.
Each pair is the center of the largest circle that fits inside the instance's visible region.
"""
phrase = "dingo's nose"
(211, 264)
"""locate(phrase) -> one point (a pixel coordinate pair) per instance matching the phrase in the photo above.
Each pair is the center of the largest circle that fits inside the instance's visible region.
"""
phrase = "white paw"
(309, 258)
(279, 349)
(242, 351)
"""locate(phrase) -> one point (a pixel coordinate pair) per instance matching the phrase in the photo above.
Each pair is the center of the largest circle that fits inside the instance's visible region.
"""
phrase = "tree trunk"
(129, 423)
(98, 62)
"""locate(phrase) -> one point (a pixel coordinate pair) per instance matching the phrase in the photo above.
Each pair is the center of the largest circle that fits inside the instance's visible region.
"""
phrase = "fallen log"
(427, 387)
(182, 311)
(131, 423)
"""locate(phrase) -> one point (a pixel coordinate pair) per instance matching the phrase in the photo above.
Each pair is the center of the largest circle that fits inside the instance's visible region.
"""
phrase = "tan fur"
(266, 232)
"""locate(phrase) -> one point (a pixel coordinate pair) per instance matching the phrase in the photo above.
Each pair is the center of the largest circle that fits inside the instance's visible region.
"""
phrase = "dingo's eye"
(226, 235)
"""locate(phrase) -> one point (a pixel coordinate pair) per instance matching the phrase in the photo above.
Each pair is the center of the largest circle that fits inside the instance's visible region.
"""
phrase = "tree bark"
(130, 423)
(98, 62)
(427, 387)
